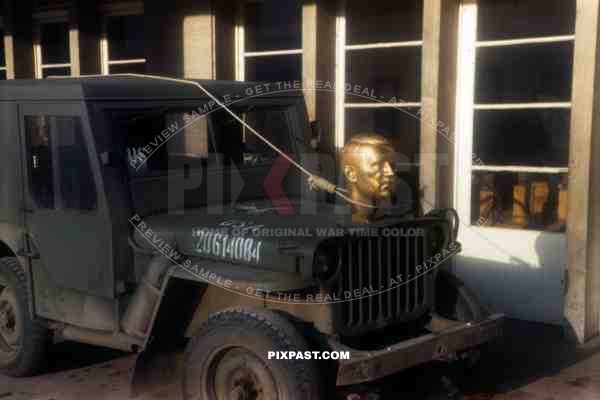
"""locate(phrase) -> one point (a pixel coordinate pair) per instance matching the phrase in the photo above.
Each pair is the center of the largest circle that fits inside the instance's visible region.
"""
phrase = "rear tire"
(23, 341)
(228, 359)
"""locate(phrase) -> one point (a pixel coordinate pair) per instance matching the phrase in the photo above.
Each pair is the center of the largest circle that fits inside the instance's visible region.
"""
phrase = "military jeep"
(137, 214)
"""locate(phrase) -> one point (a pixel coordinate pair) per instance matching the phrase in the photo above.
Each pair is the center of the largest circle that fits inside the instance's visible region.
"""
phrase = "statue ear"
(350, 173)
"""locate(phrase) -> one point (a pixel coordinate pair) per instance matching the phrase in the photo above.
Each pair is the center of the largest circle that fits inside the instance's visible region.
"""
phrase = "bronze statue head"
(369, 174)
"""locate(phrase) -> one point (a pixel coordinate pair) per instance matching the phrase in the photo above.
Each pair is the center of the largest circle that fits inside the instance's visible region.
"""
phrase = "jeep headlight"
(326, 263)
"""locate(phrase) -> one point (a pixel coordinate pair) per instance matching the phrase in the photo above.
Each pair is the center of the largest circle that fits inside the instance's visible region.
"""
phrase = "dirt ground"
(533, 362)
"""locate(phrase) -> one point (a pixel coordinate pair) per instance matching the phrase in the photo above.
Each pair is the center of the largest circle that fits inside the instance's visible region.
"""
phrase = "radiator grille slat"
(369, 264)
(350, 275)
(390, 293)
(361, 272)
(407, 277)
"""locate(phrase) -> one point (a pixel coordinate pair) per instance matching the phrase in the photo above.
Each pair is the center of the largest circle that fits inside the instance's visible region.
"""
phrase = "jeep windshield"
(176, 156)
(159, 140)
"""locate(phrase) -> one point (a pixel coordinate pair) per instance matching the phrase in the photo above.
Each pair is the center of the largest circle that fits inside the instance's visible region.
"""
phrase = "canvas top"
(123, 88)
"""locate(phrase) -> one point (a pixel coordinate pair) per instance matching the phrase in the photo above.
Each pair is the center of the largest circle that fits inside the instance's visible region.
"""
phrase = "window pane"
(274, 69)
(273, 123)
(522, 137)
(125, 37)
(519, 200)
(384, 21)
(2, 74)
(385, 73)
(161, 139)
(242, 147)
(60, 71)
(54, 39)
(273, 25)
(77, 188)
(502, 19)
(134, 68)
(39, 153)
(400, 127)
(155, 141)
(530, 73)
(2, 56)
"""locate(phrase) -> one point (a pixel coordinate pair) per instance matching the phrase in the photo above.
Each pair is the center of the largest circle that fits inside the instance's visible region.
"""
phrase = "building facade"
(491, 102)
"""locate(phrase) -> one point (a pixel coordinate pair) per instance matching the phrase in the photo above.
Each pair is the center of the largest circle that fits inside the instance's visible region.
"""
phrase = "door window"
(77, 189)
(59, 163)
(41, 176)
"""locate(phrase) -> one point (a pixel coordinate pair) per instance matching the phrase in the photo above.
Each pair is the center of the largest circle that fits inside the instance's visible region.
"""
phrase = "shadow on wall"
(523, 278)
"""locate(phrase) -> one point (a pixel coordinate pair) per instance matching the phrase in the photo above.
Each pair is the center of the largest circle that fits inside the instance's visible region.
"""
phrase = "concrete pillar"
(582, 302)
(19, 39)
(438, 94)
(323, 62)
(309, 55)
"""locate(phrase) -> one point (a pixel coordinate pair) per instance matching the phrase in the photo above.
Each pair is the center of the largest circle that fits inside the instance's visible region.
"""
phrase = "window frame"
(342, 47)
(3, 39)
(293, 104)
(57, 170)
(240, 45)
(46, 18)
(466, 106)
(113, 10)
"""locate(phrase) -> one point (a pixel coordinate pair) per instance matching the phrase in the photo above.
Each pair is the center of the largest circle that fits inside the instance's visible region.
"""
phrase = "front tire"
(457, 302)
(23, 341)
(228, 359)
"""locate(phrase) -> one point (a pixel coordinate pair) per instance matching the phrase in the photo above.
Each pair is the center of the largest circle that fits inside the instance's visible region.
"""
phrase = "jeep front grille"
(368, 265)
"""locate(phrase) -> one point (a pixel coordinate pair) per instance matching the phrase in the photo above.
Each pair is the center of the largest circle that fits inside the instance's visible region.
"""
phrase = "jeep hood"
(252, 233)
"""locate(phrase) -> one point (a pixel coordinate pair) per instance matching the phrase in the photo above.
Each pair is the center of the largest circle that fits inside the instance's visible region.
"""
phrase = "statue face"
(369, 171)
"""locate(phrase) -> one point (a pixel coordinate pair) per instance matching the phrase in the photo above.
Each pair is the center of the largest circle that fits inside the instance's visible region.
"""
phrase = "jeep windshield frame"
(151, 190)
(147, 135)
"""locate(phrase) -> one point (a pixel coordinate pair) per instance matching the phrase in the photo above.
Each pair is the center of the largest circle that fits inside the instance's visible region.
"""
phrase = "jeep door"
(66, 216)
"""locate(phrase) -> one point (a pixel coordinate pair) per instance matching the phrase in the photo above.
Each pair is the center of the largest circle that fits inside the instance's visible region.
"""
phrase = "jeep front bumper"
(446, 338)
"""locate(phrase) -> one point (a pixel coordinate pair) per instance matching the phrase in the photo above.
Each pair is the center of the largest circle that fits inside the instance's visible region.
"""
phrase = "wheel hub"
(240, 375)
(7, 318)
(246, 388)
(10, 328)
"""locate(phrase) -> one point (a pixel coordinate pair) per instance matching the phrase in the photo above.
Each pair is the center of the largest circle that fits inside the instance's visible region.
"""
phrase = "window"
(270, 122)
(269, 40)
(52, 52)
(2, 56)
(123, 45)
(77, 188)
(157, 141)
(41, 175)
(381, 70)
(62, 137)
(517, 120)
